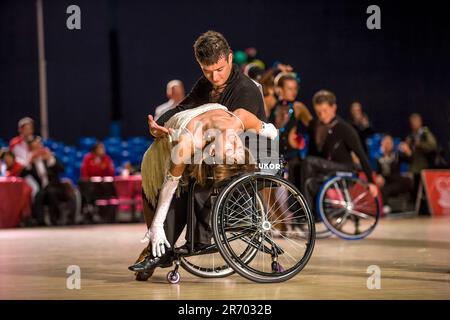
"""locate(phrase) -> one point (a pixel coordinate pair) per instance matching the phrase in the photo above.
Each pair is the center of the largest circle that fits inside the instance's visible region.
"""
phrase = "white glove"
(268, 130)
(155, 233)
(158, 240)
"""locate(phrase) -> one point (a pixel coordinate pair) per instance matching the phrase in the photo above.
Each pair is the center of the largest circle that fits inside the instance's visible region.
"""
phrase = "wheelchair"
(250, 234)
(345, 207)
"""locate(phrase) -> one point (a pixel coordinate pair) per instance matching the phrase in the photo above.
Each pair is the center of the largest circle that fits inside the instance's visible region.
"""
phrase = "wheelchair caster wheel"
(276, 267)
(173, 277)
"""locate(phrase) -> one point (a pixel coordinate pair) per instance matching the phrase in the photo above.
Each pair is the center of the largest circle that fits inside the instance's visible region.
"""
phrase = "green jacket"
(423, 146)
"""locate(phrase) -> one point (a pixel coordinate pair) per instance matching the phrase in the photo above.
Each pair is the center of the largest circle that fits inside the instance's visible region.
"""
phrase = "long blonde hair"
(219, 172)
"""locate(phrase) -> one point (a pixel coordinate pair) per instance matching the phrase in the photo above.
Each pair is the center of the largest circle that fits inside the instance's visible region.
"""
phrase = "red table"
(129, 191)
(15, 201)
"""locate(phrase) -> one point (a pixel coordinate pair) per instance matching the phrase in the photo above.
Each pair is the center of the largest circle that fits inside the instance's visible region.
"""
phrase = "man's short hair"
(24, 121)
(415, 115)
(324, 96)
(284, 78)
(6, 152)
(173, 83)
(210, 47)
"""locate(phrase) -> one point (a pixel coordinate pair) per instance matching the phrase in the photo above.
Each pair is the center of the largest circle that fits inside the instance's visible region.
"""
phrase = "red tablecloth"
(15, 201)
(129, 189)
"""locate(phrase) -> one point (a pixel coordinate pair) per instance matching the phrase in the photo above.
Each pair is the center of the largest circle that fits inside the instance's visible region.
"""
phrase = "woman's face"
(228, 148)
(100, 150)
(270, 100)
(9, 160)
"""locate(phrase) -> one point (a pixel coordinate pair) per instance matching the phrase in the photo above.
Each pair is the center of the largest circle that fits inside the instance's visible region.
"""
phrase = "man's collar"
(233, 74)
(331, 123)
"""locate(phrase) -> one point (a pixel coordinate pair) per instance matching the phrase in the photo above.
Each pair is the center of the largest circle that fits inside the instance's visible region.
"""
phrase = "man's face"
(9, 160)
(289, 90)
(219, 72)
(27, 130)
(356, 111)
(416, 123)
(387, 144)
(177, 93)
(325, 112)
(281, 116)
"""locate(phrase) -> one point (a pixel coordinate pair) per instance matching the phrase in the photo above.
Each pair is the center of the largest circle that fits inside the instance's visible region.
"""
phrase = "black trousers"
(396, 186)
(294, 171)
(177, 215)
(52, 196)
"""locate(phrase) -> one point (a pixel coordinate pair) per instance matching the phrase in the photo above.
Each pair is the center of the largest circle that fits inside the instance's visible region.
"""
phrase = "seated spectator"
(18, 145)
(45, 170)
(127, 169)
(97, 163)
(175, 94)
(12, 167)
(389, 179)
(360, 121)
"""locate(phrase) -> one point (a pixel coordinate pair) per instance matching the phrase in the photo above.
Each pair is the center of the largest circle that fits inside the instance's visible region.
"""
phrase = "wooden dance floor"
(413, 256)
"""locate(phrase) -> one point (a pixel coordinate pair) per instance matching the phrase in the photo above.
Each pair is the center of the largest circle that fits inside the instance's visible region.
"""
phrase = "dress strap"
(242, 124)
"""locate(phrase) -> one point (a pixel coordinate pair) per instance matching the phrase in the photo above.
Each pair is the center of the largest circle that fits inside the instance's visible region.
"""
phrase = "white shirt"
(161, 109)
(22, 153)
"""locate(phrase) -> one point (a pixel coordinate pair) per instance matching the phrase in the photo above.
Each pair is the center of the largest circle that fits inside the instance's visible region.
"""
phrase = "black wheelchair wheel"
(244, 229)
(347, 208)
(212, 264)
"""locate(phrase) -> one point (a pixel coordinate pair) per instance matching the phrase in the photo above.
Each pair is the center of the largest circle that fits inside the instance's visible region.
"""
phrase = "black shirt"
(285, 148)
(339, 141)
(389, 166)
(240, 92)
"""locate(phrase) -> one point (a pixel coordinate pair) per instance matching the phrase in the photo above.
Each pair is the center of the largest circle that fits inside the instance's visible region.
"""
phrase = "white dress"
(156, 160)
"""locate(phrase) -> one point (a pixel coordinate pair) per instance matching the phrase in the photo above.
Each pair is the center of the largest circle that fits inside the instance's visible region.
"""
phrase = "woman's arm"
(251, 122)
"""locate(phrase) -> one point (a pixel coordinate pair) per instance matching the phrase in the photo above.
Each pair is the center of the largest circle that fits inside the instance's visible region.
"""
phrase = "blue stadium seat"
(86, 143)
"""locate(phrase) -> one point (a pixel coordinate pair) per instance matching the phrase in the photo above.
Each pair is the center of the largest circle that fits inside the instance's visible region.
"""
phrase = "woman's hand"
(158, 240)
(155, 129)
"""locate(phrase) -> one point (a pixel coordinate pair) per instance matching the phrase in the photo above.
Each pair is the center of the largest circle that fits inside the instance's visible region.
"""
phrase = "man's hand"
(156, 130)
(379, 181)
(373, 190)
(404, 147)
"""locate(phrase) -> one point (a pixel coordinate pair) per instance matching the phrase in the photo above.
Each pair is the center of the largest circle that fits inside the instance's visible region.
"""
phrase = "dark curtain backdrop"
(403, 67)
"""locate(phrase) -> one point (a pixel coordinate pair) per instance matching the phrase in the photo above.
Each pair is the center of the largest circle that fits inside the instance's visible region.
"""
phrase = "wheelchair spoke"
(335, 212)
(336, 202)
(301, 208)
(359, 197)
(341, 221)
(346, 192)
(287, 254)
(292, 217)
(361, 214)
(237, 202)
(288, 220)
(275, 203)
(281, 204)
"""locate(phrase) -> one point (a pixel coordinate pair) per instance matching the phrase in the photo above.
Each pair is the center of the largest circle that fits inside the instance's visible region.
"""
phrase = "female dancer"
(167, 159)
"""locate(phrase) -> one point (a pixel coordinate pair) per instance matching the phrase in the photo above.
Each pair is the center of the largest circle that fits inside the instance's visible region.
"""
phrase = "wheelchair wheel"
(322, 231)
(209, 265)
(212, 265)
(250, 222)
(347, 208)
